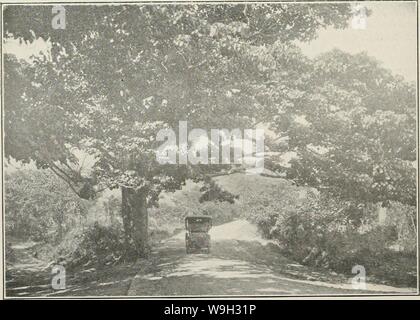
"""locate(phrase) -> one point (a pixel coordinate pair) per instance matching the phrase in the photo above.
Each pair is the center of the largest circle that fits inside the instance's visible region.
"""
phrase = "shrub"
(404, 218)
(39, 206)
(97, 245)
(323, 231)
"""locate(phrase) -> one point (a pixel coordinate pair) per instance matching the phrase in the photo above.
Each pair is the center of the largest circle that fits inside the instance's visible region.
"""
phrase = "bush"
(404, 218)
(325, 232)
(39, 206)
(97, 245)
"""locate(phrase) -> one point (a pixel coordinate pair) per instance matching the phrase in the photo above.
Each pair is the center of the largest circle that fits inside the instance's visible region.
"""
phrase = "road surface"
(240, 264)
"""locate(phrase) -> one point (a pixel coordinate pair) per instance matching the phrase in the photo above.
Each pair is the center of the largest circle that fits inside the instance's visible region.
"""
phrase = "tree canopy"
(119, 74)
(353, 129)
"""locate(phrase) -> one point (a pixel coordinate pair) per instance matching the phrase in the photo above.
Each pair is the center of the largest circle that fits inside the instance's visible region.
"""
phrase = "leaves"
(350, 117)
(39, 206)
(120, 73)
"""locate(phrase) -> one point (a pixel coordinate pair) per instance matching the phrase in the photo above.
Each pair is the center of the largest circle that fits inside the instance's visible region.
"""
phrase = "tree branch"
(65, 180)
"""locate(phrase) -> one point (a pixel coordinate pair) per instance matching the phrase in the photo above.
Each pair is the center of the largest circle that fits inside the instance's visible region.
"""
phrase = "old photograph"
(210, 149)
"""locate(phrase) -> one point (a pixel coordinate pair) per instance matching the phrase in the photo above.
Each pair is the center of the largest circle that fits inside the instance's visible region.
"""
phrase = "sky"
(24, 50)
(390, 36)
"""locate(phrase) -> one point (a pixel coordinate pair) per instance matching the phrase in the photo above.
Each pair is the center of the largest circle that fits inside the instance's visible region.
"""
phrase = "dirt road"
(241, 263)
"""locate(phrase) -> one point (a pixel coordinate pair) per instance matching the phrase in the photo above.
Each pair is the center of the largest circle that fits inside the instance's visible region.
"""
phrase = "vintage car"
(197, 239)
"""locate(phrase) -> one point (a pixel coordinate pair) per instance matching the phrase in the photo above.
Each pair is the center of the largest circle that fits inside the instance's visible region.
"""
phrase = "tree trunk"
(135, 219)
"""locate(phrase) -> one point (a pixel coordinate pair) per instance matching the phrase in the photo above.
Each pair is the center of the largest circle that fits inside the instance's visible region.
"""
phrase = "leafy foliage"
(39, 206)
(353, 130)
(177, 68)
(326, 232)
(211, 191)
(96, 246)
(119, 74)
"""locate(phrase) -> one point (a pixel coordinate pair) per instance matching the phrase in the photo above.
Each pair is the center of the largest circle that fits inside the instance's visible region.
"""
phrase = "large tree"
(118, 74)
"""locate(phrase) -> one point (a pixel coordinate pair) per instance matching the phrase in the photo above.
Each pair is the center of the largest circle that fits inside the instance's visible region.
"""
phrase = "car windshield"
(198, 225)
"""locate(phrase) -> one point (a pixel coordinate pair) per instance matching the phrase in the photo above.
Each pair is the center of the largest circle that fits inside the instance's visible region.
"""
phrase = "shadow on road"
(234, 267)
